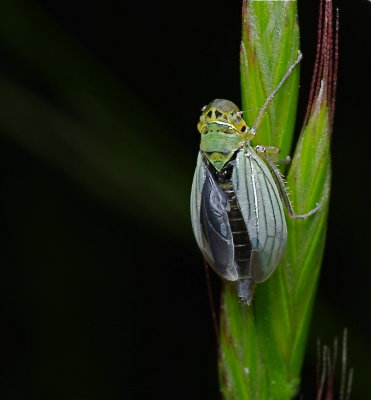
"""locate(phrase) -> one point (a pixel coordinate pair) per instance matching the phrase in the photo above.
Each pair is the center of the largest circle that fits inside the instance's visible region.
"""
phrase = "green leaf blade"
(270, 44)
(277, 323)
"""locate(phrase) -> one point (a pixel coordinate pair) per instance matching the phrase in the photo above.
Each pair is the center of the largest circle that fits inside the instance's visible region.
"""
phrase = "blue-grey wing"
(209, 212)
(261, 208)
(196, 193)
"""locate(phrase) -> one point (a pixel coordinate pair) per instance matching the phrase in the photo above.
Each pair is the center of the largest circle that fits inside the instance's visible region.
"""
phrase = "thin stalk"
(262, 346)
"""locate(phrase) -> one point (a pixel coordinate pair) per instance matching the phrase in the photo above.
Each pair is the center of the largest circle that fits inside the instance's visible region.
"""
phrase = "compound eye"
(243, 129)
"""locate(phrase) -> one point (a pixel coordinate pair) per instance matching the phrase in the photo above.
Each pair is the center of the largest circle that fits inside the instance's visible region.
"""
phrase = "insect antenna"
(255, 109)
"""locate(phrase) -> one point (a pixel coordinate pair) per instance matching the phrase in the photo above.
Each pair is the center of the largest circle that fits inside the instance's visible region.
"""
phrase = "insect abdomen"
(241, 241)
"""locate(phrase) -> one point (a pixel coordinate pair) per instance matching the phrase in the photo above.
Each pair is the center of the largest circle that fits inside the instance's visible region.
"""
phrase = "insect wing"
(214, 211)
(196, 193)
(209, 206)
(261, 208)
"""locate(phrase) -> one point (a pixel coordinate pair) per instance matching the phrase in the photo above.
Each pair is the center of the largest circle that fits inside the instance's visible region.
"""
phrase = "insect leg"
(273, 153)
(271, 96)
(262, 151)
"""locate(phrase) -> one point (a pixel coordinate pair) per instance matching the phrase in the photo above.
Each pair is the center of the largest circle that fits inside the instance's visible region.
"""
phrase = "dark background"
(102, 288)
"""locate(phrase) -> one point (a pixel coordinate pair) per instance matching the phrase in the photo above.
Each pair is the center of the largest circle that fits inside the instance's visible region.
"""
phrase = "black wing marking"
(214, 217)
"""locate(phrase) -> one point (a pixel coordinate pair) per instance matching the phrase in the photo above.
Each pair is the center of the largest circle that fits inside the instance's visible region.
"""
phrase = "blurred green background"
(102, 288)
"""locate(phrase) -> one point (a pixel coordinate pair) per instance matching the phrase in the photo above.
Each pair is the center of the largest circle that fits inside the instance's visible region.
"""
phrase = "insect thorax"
(223, 132)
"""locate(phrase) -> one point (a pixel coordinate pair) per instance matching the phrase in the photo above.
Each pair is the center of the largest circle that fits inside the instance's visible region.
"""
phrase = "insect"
(236, 200)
